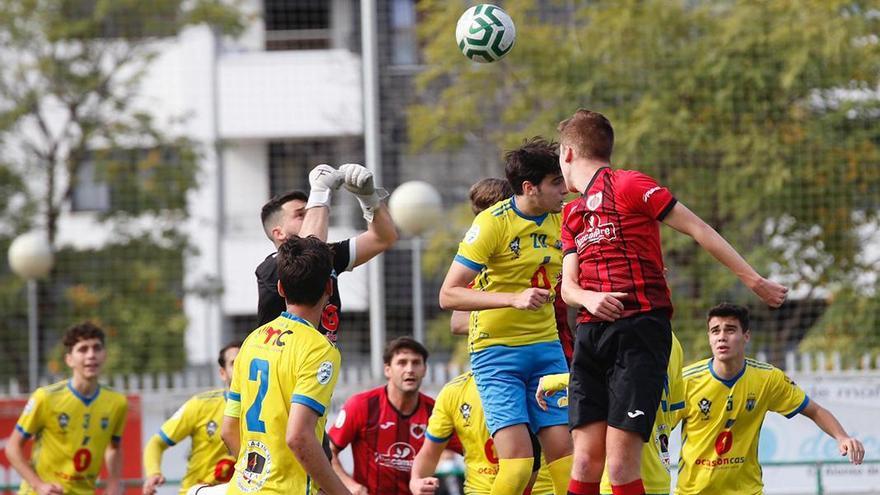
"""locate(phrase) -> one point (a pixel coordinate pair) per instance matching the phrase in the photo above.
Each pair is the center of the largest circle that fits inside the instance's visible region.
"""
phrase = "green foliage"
(848, 326)
(757, 115)
(132, 289)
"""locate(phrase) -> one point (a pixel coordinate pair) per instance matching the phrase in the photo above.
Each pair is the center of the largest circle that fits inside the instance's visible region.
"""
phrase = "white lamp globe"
(416, 207)
(30, 255)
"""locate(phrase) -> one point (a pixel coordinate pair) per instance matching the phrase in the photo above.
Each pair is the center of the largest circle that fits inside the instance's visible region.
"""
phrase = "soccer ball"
(485, 33)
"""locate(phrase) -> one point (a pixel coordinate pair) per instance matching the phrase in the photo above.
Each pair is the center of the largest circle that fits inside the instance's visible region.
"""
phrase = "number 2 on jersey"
(259, 371)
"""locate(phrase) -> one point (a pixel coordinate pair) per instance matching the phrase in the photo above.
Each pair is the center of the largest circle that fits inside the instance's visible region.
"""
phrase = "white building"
(265, 108)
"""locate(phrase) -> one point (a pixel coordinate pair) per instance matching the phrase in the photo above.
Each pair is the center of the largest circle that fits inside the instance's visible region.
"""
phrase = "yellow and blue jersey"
(286, 361)
(512, 252)
(200, 418)
(655, 454)
(71, 431)
(721, 423)
(458, 410)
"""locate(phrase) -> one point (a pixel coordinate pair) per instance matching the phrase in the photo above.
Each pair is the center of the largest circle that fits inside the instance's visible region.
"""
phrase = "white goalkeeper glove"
(359, 180)
(323, 180)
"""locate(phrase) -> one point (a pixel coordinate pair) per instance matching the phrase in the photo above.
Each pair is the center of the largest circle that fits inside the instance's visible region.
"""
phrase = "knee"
(588, 459)
(623, 466)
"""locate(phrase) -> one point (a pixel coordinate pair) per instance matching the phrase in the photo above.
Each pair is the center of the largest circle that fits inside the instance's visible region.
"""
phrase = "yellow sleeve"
(119, 427)
(316, 377)
(441, 425)
(233, 395)
(676, 383)
(554, 383)
(153, 455)
(180, 424)
(480, 242)
(31, 420)
(786, 397)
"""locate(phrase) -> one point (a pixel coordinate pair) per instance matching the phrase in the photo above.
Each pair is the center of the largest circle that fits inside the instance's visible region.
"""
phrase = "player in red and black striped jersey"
(613, 272)
(386, 426)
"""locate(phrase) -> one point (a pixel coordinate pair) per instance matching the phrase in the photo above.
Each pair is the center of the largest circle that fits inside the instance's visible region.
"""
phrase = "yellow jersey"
(283, 362)
(72, 431)
(721, 423)
(512, 252)
(458, 410)
(655, 454)
(200, 418)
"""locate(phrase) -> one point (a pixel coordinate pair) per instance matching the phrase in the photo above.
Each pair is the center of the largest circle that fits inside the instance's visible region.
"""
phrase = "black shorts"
(618, 372)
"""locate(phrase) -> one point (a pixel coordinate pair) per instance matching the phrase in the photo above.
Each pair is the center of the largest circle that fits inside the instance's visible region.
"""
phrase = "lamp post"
(416, 207)
(30, 257)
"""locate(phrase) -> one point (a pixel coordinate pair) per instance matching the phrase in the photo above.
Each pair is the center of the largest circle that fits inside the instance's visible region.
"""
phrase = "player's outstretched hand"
(549, 385)
(772, 293)
(358, 179)
(852, 447)
(424, 486)
(604, 305)
(49, 489)
(323, 180)
(152, 482)
(531, 299)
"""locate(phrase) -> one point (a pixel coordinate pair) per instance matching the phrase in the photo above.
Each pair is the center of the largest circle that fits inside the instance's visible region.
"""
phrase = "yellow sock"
(513, 476)
(560, 474)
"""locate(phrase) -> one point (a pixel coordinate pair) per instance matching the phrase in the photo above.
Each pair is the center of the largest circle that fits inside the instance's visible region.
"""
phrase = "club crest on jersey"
(325, 372)
(662, 440)
(211, 428)
(594, 201)
(751, 401)
(417, 430)
(465, 410)
(257, 468)
(63, 420)
(105, 423)
(705, 407)
(594, 231)
(514, 247)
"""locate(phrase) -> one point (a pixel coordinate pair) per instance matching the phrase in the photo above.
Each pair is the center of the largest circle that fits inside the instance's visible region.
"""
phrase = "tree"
(70, 81)
(760, 116)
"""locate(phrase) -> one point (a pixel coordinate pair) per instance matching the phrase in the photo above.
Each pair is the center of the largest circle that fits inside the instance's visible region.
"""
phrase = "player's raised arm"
(848, 446)
(307, 449)
(381, 233)
(687, 222)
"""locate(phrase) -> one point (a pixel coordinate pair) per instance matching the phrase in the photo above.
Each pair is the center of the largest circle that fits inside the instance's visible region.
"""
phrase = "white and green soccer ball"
(485, 33)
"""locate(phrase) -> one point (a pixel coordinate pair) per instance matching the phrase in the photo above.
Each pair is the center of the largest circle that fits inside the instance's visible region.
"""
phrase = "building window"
(130, 180)
(297, 24)
(404, 45)
(89, 192)
(291, 160)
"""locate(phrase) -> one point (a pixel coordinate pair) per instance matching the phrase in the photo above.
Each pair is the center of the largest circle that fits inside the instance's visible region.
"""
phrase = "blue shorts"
(507, 379)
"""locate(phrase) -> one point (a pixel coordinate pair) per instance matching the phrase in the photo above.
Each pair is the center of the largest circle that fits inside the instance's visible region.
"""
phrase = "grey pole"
(372, 148)
(418, 310)
(33, 352)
